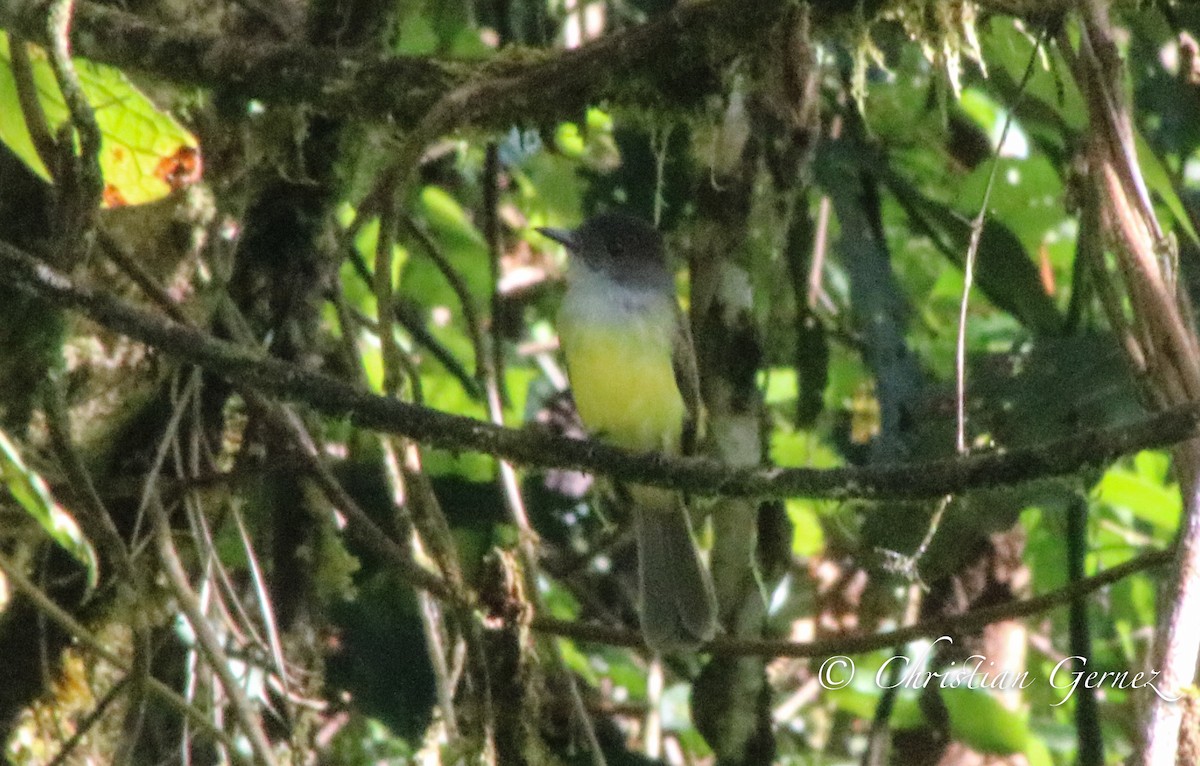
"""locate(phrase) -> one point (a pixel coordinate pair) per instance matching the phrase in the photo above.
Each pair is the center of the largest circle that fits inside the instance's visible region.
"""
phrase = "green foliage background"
(909, 102)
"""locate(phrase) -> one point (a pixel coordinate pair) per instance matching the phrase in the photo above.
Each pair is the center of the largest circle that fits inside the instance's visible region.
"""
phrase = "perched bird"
(633, 375)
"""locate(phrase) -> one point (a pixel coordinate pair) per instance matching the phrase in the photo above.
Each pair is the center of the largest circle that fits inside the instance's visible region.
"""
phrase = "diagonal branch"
(333, 397)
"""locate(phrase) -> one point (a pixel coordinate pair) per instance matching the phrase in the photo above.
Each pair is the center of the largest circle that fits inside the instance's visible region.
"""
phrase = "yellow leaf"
(144, 154)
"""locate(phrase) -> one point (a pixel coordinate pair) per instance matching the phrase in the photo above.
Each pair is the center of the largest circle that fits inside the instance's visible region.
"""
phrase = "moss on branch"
(534, 447)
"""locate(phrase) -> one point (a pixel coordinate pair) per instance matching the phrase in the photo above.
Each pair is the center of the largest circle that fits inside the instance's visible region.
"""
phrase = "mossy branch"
(673, 60)
(535, 447)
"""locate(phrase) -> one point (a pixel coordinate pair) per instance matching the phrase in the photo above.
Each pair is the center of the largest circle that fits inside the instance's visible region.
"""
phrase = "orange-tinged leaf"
(181, 169)
(144, 155)
(112, 196)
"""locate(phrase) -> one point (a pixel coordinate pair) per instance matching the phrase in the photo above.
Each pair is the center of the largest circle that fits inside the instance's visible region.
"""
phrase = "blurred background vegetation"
(196, 572)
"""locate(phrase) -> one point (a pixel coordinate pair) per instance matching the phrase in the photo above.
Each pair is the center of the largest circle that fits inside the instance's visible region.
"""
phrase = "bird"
(632, 371)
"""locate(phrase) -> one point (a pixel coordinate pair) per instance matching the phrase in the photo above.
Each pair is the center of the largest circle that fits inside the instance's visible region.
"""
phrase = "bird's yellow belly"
(624, 383)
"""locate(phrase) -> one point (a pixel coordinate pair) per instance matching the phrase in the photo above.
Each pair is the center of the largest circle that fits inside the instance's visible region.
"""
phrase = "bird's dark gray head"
(624, 248)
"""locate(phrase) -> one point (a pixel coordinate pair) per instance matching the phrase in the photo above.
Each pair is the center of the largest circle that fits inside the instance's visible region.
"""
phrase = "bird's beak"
(565, 237)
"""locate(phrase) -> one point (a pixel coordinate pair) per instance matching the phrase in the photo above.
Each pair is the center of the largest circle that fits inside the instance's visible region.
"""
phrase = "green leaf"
(28, 489)
(980, 720)
(469, 44)
(1037, 753)
(417, 36)
(1158, 182)
(569, 140)
(808, 538)
(1050, 107)
(1026, 197)
(577, 661)
(461, 243)
(907, 713)
(1004, 271)
(144, 154)
(1143, 494)
(802, 449)
(778, 385)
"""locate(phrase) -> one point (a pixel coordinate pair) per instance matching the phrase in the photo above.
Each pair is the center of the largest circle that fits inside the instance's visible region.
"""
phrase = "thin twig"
(384, 308)
(132, 268)
(266, 609)
(652, 734)
(88, 640)
(31, 107)
(225, 594)
(492, 234)
(97, 521)
(161, 452)
(86, 725)
(820, 248)
(445, 681)
(908, 564)
(408, 317)
(78, 178)
(459, 286)
(977, 225)
(421, 522)
(218, 661)
(967, 622)
(361, 526)
(585, 721)
(490, 366)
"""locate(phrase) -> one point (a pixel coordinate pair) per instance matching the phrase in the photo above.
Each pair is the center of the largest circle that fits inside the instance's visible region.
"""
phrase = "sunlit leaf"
(469, 44)
(780, 385)
(808, 538)
(518, 380)
(801, 448)
(371, 358)
(1050, 107)
(417, 36)
(622, 672)
(470, 466)
(577, 661)
(1145, 496)
(145, 154)
(1037, 753)
(461, 244)
(979, 719)
(569, 140)
(446, 214)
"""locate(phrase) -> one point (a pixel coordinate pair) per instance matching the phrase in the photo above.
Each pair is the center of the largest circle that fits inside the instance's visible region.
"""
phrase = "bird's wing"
(687, 378)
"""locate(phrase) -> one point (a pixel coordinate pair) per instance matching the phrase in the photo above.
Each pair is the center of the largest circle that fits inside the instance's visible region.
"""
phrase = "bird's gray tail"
(678, 604)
